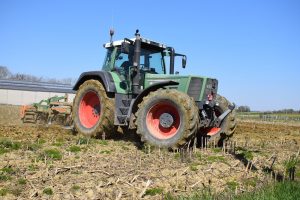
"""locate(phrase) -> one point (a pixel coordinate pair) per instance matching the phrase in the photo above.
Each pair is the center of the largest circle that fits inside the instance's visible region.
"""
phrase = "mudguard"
(149, 89)
(104, 77)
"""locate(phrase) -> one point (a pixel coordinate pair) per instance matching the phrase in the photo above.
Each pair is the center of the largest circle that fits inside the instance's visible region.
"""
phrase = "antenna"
(111, 33)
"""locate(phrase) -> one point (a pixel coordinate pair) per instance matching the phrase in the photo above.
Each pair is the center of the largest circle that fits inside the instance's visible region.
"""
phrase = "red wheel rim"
(153, 123)
(89, 109)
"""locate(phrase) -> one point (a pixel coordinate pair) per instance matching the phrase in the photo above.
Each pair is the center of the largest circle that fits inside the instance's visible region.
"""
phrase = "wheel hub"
(166, 120)
(96, 110)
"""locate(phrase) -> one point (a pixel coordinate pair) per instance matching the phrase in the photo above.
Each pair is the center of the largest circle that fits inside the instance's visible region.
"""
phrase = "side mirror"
(183, 61)
(125, 47)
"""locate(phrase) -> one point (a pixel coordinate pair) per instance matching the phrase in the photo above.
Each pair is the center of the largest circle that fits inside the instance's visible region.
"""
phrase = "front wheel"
(93, 111)
(167, 118)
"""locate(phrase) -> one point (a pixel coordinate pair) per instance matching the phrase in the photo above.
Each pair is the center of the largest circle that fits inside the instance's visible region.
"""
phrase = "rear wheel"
(229, 123)
(93, 111)
(167, 118)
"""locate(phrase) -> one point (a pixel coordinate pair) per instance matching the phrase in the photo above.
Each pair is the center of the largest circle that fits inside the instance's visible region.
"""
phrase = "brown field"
(42, 162)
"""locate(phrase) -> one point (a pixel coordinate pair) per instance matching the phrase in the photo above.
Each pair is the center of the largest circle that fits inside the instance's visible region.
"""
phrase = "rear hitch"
(224, 114)
(214, 131)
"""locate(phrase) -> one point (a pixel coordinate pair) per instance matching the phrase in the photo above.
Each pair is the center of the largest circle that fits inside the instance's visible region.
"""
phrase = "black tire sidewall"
(223, 106)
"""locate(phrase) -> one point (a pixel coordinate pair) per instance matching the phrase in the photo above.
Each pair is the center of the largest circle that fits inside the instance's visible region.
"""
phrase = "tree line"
(286, 111)
(5, 73)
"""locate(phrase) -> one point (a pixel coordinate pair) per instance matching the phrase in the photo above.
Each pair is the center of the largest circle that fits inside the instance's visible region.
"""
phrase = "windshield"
(151, 61)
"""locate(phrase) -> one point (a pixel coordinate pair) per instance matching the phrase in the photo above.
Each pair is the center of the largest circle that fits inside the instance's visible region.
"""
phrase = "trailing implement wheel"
(93, 111)
(167, 118)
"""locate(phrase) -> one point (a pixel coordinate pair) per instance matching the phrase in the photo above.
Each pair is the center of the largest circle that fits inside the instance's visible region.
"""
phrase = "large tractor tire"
(167, 118)
(93, 111)
(229, 123)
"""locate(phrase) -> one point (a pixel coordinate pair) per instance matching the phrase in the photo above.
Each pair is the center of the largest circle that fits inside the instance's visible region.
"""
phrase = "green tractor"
(136, 90)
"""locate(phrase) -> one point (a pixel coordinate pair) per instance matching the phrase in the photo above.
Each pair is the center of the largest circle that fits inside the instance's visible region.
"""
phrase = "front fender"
(149, 89)
(104, 77)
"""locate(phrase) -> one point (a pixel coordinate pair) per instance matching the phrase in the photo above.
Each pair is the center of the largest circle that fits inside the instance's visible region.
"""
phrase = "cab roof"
(143, 40)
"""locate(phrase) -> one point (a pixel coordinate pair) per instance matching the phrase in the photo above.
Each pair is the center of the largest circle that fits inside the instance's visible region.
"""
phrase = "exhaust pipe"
(136, 64)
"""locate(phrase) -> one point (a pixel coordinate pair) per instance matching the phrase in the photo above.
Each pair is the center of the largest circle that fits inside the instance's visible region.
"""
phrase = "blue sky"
(252, 46)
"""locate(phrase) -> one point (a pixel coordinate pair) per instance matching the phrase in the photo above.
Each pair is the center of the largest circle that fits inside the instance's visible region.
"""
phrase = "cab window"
(152, 61)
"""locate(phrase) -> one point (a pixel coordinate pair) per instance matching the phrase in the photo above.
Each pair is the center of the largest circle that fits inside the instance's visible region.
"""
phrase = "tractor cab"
(132, 59)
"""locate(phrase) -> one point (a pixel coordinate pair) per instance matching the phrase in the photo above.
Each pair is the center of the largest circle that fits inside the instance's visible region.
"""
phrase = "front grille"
(195, 88)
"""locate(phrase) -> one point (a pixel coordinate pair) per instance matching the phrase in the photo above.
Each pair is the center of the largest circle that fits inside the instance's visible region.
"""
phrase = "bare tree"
(67, 81)
(4, 72)
(243, 109)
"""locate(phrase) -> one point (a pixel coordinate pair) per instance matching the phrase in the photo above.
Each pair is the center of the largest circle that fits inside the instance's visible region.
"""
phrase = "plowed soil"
(42, 162)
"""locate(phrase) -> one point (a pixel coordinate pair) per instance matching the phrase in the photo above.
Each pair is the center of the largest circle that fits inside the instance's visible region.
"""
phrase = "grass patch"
(53, 154)
(83, 140)
(204, 194)
(215, 158)
(22, 181)
(154, 191)
(34, 146)
(3, 192)
(291, 163)
(48, 191)
(8, 170)
(277, 191)
(177, 155)
(75, 187)
(7, 145)
(297, 174)
(251, 182)
(5, 173)
(40, 141)
(2, 150)
(103, 142)
(199, 156)
(74, 149)
(193, 166)
(216, 150)
(282, 191)
(32, 167)
(4, 177)
(105, 152)
(57, 144)
(244, 153)
(232, 185)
